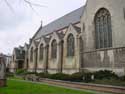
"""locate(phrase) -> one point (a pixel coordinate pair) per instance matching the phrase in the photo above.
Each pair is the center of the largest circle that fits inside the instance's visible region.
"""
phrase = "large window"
(103, 29)
(41, 52)
(31, 54)
(54, 49)
(70, 45)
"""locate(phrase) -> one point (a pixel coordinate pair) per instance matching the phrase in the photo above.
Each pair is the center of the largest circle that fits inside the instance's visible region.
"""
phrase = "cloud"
(12, 18)
(16, 27)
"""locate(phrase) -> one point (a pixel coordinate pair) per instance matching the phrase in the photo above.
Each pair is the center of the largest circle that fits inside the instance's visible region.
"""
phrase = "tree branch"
(34, 4)
(30, 5)
(27, 2)
(10, 7)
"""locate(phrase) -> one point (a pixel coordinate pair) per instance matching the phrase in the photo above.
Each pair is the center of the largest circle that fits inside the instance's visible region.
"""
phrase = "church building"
(90, 38)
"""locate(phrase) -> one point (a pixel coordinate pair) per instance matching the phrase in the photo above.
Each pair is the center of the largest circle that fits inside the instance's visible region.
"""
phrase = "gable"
(72, 30)
(56, 37)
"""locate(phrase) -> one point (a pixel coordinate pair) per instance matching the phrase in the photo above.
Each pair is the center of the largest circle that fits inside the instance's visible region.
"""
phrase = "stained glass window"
(54, 49)
(70, 45)
(103, 30)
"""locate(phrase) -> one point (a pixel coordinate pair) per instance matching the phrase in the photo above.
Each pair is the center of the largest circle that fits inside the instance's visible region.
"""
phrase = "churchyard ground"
(21, 87)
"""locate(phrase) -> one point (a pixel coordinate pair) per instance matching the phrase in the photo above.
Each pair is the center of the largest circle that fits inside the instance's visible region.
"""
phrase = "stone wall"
(105, 59)
(115, 7)
(91, 59)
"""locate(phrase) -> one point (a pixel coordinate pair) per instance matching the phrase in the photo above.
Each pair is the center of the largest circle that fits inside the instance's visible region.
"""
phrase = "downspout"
(36, 51)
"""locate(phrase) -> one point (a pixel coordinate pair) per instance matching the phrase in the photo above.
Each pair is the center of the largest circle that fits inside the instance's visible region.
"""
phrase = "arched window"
(70, 45)
(31, 54)
(41, 52)
(54, 49)
(103, 29)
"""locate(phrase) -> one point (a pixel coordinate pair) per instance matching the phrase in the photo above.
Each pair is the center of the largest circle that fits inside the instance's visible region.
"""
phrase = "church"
(90, 38)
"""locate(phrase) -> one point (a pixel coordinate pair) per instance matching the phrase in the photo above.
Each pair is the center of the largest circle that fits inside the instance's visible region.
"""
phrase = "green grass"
(19, 87)
(16, 78)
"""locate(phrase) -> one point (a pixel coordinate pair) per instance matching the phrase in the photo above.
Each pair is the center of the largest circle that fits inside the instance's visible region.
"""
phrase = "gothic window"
(103, 29)
(41, 52)
(54, 49)
(31, 54)
(70, 45)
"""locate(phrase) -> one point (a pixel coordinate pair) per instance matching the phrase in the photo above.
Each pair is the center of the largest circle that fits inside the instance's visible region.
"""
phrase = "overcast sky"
(20, 22)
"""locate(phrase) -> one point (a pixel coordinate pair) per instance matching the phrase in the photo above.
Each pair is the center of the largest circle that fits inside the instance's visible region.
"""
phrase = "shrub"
(81, 76)
(105, 74)
(77, 76)
(122, 78)
(20, 71)
(10, 74)
(59, 76)
(43, 75)
(26, 72)
(88, 77)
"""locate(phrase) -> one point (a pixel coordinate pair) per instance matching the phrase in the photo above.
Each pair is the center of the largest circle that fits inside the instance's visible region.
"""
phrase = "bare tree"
(28, 2)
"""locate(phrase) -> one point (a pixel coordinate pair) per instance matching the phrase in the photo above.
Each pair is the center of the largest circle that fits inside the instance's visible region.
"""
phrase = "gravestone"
(2, 72)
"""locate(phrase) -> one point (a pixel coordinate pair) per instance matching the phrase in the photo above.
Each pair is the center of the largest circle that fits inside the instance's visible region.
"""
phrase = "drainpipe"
(36, 54)
(46, 61)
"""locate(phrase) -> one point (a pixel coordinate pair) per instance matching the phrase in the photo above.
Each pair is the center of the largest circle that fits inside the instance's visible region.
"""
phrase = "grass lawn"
(18, 87)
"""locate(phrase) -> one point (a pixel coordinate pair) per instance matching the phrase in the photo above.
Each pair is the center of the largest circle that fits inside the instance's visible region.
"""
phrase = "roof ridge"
(61, 22)
(64, 16)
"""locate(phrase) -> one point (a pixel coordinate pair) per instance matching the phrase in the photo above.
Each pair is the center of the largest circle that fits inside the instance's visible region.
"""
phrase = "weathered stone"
(2, 72)
(90, 59)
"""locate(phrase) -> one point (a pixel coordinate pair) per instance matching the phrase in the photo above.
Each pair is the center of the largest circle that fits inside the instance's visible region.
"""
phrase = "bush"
(59, 76)
(81, 76)
(77, 76)
(23, 72)
(26, 72)
(9, 74)
(122, 78)
(20, 71)
(105, 74)
(43, 75)
(88, 77)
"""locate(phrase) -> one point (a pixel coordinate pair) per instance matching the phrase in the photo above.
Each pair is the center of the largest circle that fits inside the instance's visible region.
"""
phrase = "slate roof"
(71, 18)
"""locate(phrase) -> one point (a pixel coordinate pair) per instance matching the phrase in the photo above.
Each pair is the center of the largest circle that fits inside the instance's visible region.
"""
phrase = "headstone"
(2, 72)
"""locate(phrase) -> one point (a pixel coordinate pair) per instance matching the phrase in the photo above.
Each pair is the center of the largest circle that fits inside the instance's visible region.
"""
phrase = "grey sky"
(17, 26)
